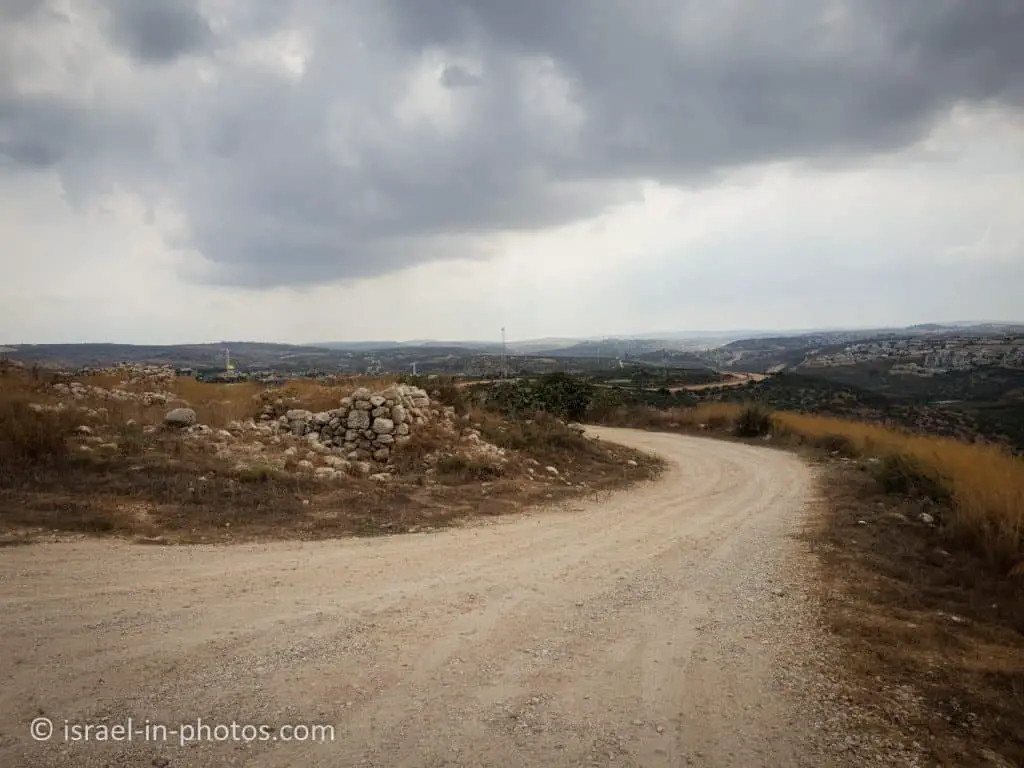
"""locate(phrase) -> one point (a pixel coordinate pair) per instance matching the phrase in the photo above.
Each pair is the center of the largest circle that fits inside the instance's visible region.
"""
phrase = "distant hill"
(242, 354)
(433, 344)
(755, 352)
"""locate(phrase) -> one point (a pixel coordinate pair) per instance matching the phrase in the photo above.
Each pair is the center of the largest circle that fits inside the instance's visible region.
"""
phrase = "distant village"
(929, 356)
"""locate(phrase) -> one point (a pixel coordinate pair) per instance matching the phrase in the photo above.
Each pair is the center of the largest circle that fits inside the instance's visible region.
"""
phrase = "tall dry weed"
(985, 483)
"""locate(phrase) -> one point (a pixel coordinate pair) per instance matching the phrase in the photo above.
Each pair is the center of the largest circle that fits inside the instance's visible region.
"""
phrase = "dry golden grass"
(985, 483)
(317, 397)
(217, 404)
(864, 438)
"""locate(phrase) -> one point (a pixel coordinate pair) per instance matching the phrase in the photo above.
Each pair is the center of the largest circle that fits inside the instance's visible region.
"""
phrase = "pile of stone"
(367, 425)
(155, 376)
(361, 433)
(129, 371)
(78, 391)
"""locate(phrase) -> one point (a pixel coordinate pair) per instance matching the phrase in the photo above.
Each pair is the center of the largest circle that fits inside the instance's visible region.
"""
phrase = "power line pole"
(504, 365)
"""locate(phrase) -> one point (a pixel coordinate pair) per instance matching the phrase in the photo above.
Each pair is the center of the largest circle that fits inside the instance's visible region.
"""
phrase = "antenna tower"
(504, 359)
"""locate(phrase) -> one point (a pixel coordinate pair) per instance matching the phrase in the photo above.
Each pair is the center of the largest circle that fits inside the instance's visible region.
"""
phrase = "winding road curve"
(643, 628)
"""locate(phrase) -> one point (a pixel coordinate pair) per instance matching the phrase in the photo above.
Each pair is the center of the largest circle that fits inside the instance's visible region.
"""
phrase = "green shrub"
(256, 475)
(753, 421)
(564, 396)
(558, 394)
(904, 475)
(604, 402)
(839, 444)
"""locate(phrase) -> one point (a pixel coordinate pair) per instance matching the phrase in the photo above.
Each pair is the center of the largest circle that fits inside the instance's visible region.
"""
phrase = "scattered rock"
(180, 418)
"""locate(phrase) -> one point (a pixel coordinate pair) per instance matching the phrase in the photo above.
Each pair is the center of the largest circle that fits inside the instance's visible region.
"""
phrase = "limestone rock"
(180, 418)
(383, 426)
(358, 420)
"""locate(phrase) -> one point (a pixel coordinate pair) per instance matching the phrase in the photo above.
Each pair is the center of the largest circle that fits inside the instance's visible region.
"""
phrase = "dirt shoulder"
(672, 625)
(933, 636)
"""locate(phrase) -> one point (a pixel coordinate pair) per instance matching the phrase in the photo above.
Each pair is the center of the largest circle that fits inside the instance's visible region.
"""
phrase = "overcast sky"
(299, 170)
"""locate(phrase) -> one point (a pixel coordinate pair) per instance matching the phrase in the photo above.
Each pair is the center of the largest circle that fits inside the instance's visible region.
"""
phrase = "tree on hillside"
(563, 395)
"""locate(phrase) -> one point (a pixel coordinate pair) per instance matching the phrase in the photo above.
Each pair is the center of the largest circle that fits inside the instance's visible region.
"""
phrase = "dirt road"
(662, 626)
(734, 380)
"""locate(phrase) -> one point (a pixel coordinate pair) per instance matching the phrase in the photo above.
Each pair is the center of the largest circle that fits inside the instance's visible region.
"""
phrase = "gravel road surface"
(665, 625)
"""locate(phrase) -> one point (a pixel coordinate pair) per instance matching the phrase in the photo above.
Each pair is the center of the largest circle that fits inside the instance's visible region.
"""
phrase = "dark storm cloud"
(39, 131)
(20, 10)
(678, 88)
(345, 173)
(157, 31)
